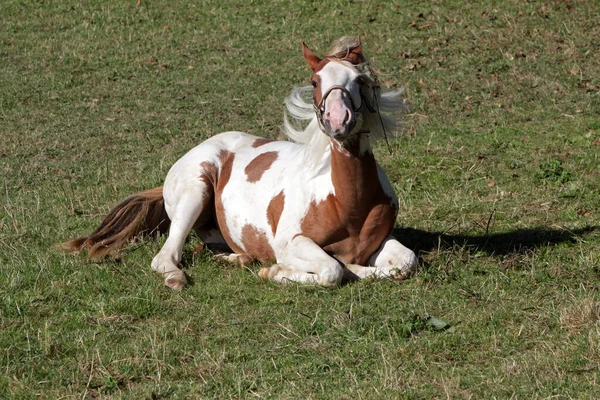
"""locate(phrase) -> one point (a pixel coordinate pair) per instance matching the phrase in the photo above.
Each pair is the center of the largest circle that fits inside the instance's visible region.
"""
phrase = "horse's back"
(213, 154)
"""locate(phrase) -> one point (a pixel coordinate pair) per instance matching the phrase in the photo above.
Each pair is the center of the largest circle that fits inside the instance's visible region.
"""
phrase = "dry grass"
(583, 314)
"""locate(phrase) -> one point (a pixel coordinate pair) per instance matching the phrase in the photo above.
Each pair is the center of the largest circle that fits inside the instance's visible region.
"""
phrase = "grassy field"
(497, 169)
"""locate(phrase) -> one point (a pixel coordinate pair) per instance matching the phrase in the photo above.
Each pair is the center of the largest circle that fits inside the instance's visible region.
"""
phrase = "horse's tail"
(140, 214)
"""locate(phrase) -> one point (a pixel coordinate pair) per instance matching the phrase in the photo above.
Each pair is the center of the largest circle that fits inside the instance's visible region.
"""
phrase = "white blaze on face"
(339, 115)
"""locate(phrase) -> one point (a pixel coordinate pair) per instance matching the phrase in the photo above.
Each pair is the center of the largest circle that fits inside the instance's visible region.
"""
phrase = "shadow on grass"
(519, 241)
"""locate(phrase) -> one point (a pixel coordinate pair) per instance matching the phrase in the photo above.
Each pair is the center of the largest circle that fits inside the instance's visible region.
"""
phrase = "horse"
(319, 207)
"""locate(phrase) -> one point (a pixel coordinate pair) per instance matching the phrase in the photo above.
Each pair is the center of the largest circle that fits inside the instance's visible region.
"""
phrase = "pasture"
(497, 169)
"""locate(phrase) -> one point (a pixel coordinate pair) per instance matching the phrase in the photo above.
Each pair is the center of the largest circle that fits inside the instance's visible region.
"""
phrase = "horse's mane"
(300, 122)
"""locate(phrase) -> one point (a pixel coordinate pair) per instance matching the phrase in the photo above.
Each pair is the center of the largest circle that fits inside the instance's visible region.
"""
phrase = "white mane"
(300, 124)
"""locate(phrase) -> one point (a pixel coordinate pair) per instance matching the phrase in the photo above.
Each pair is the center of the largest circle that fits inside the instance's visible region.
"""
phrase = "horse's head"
(339, 89)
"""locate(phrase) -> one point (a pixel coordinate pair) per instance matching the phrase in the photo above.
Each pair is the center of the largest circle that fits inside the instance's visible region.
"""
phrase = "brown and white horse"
(320, 207)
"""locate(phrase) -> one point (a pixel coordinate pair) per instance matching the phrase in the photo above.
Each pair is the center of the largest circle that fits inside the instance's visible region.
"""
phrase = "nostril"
(347, 117)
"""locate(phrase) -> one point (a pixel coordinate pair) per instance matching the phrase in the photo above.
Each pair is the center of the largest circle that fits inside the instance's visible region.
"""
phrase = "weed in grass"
(554, 172)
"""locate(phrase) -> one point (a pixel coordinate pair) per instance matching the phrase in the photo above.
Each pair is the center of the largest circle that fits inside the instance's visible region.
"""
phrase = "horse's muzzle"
(340, 126)
(339, 119)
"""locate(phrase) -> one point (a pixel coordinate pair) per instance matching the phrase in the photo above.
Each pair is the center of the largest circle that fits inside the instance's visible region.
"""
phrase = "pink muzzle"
(339, 119)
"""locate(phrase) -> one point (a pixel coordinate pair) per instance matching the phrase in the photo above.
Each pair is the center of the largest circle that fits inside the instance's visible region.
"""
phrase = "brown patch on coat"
(256, 243)
(352, 224)
(261, 141)
(209, 174)
(316, 81)
(317, 92)
(219, 180)
(257, 167)
(274, 211)
(206, 219)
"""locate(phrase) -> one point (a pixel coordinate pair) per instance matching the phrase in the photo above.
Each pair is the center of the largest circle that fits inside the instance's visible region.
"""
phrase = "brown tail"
(140, 214)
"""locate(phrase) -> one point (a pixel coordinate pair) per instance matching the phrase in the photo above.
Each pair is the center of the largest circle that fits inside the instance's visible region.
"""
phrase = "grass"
(497, 170)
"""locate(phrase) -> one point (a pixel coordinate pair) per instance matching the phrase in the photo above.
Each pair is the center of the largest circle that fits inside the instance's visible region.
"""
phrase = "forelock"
(341, 48)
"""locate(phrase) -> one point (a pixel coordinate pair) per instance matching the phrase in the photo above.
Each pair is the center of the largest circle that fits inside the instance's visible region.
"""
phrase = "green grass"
(497, 169)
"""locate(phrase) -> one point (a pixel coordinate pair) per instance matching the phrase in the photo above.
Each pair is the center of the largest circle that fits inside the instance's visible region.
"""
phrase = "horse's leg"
(234, 258)
(392, 259)
(282, 274)
(183, 214)
(211, 236)
(304, 261)
(214, 241)
(394, 256)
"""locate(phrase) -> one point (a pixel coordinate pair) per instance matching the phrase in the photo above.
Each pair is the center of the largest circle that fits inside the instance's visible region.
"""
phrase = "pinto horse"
(320, 207)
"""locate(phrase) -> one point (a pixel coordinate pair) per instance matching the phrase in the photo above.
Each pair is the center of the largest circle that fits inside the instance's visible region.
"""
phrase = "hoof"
(268, 273)
(175, 280)
(408, 270)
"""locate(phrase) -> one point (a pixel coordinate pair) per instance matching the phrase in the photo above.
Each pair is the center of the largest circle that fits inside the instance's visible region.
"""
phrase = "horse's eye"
(314, 84)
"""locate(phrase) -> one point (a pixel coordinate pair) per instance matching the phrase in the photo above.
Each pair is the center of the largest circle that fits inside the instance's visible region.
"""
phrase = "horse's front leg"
(304, 261)
(392, 259)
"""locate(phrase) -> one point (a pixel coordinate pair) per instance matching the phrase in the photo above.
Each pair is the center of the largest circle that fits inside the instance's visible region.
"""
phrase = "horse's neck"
(354, 174)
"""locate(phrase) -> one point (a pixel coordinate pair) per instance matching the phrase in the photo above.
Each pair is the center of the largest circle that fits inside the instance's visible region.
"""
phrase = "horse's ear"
(355, 55)
(311, 58)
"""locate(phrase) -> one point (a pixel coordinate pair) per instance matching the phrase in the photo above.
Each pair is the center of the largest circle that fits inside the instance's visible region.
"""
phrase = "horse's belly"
(247, 214)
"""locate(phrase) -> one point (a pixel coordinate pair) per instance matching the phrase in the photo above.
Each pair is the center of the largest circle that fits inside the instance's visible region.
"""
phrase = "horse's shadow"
(519, 241)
